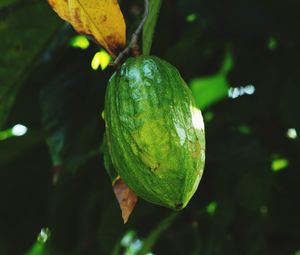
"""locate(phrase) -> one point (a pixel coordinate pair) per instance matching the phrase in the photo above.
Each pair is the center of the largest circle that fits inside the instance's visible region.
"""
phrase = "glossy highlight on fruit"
(155, 133)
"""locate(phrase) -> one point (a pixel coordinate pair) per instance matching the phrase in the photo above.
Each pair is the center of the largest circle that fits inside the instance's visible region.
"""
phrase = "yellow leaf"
(101, 20)
(126, 198)
(61, 7)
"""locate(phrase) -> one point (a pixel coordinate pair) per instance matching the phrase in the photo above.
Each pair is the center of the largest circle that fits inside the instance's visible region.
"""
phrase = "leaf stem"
(133, 47)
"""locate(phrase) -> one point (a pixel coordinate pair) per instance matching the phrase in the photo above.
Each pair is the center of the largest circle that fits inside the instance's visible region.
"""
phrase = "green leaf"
(209, 90)
(71, 107)
(22, 40)
(150, 24)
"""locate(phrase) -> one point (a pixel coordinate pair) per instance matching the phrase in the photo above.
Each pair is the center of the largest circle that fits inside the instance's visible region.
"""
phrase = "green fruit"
(155, 133)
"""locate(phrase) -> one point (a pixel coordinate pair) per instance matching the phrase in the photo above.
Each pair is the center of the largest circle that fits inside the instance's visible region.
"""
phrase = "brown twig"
(133, 46)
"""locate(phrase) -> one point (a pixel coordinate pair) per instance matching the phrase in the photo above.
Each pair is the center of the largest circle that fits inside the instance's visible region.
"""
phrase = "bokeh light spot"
(264, 210)
(80, 41)
(244, 129)
(44, 235)
(191, 17)
(272, 43)
(292, 133)
(211, 208)
(128, 238)
(19, 130)
(101, 58)
(279, 163)
(235, 92)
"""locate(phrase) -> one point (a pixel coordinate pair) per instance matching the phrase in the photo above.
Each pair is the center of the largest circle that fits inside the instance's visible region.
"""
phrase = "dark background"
(241, 59)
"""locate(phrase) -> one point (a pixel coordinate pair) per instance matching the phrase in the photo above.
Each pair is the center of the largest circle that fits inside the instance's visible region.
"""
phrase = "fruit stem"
(133, 47)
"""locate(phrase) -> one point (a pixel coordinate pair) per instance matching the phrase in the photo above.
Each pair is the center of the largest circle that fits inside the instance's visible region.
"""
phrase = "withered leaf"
(101, 20)
(126, 198)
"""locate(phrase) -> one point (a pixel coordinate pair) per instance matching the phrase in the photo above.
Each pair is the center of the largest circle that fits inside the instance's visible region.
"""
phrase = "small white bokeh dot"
(235, 92)
(19, 130)
(292, 133)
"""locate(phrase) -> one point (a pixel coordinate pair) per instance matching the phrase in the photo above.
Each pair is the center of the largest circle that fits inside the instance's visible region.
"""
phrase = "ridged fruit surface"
(155, 133)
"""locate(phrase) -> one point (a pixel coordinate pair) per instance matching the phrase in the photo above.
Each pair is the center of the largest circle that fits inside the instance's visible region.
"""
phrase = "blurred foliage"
(21, 42)
(52, 179)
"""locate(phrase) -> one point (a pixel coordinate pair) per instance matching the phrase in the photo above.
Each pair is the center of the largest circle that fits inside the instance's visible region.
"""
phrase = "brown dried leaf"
(101, 20)
(126, 198)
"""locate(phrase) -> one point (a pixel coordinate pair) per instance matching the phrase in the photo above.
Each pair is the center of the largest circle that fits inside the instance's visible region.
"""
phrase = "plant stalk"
(133, 46)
